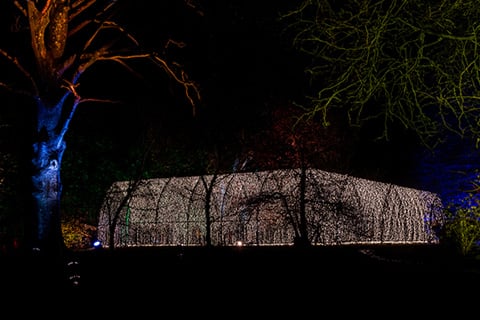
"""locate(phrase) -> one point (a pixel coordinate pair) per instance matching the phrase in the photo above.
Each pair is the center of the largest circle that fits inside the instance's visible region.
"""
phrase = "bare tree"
(64, 40)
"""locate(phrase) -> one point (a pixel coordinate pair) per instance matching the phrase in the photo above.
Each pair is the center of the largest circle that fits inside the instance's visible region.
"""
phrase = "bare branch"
(19, 6)
(80, 6)
(22, 70)
(415, 63)
(182, 79)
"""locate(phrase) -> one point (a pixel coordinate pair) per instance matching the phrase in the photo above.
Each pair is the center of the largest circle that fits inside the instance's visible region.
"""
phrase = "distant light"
(239, 243)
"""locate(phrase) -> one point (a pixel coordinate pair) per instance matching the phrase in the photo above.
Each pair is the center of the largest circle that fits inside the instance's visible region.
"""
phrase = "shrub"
(76, 234)
(462, 227)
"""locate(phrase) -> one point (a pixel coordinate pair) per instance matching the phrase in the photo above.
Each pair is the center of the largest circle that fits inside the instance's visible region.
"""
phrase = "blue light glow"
(97, 244)
(451, 171)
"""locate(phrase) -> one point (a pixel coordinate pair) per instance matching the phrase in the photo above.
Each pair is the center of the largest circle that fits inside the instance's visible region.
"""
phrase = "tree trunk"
(303, 239)
(48, 149)
(208, 200)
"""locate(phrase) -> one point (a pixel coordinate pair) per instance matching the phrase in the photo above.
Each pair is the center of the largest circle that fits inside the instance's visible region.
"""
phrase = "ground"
(182, 278)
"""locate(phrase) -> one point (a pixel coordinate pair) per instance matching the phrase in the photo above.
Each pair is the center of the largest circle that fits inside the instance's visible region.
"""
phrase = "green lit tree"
(406, 63)
(62, 40)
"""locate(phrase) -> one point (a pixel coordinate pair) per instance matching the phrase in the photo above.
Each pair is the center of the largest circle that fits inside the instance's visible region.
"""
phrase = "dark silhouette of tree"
(410, 63)
(289, 143)
(208, 185)
(62, 41)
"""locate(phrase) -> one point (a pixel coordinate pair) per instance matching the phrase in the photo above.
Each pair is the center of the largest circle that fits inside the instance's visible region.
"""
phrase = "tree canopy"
(413, 63)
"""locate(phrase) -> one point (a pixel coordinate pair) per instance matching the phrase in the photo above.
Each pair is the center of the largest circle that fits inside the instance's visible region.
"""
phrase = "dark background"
(245, 67)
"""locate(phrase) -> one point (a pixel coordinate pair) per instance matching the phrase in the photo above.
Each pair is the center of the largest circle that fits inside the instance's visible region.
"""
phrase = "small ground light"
(97, 244)
(239, 243)
(74, 273)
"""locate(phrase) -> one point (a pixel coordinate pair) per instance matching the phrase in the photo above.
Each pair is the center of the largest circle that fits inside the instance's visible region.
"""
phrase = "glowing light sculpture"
(262, 208)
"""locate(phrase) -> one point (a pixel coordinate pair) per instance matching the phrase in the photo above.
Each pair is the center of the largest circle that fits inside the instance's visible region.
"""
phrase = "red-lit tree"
(62, 40)
(289, 142)
(285, 143)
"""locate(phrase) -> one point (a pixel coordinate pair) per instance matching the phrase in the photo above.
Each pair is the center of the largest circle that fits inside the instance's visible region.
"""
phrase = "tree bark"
(48, 149)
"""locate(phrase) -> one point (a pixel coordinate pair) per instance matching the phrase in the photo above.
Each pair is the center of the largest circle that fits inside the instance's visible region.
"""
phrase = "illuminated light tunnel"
(263, 208)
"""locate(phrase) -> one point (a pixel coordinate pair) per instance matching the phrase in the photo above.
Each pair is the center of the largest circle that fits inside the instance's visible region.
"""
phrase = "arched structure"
(263, 208)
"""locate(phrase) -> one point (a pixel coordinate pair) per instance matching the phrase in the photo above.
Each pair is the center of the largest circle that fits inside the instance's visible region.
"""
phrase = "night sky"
(234, 50)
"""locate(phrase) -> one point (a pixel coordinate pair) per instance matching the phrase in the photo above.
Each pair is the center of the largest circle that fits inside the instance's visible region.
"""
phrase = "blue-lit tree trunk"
(48, 149)
(47, 190)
